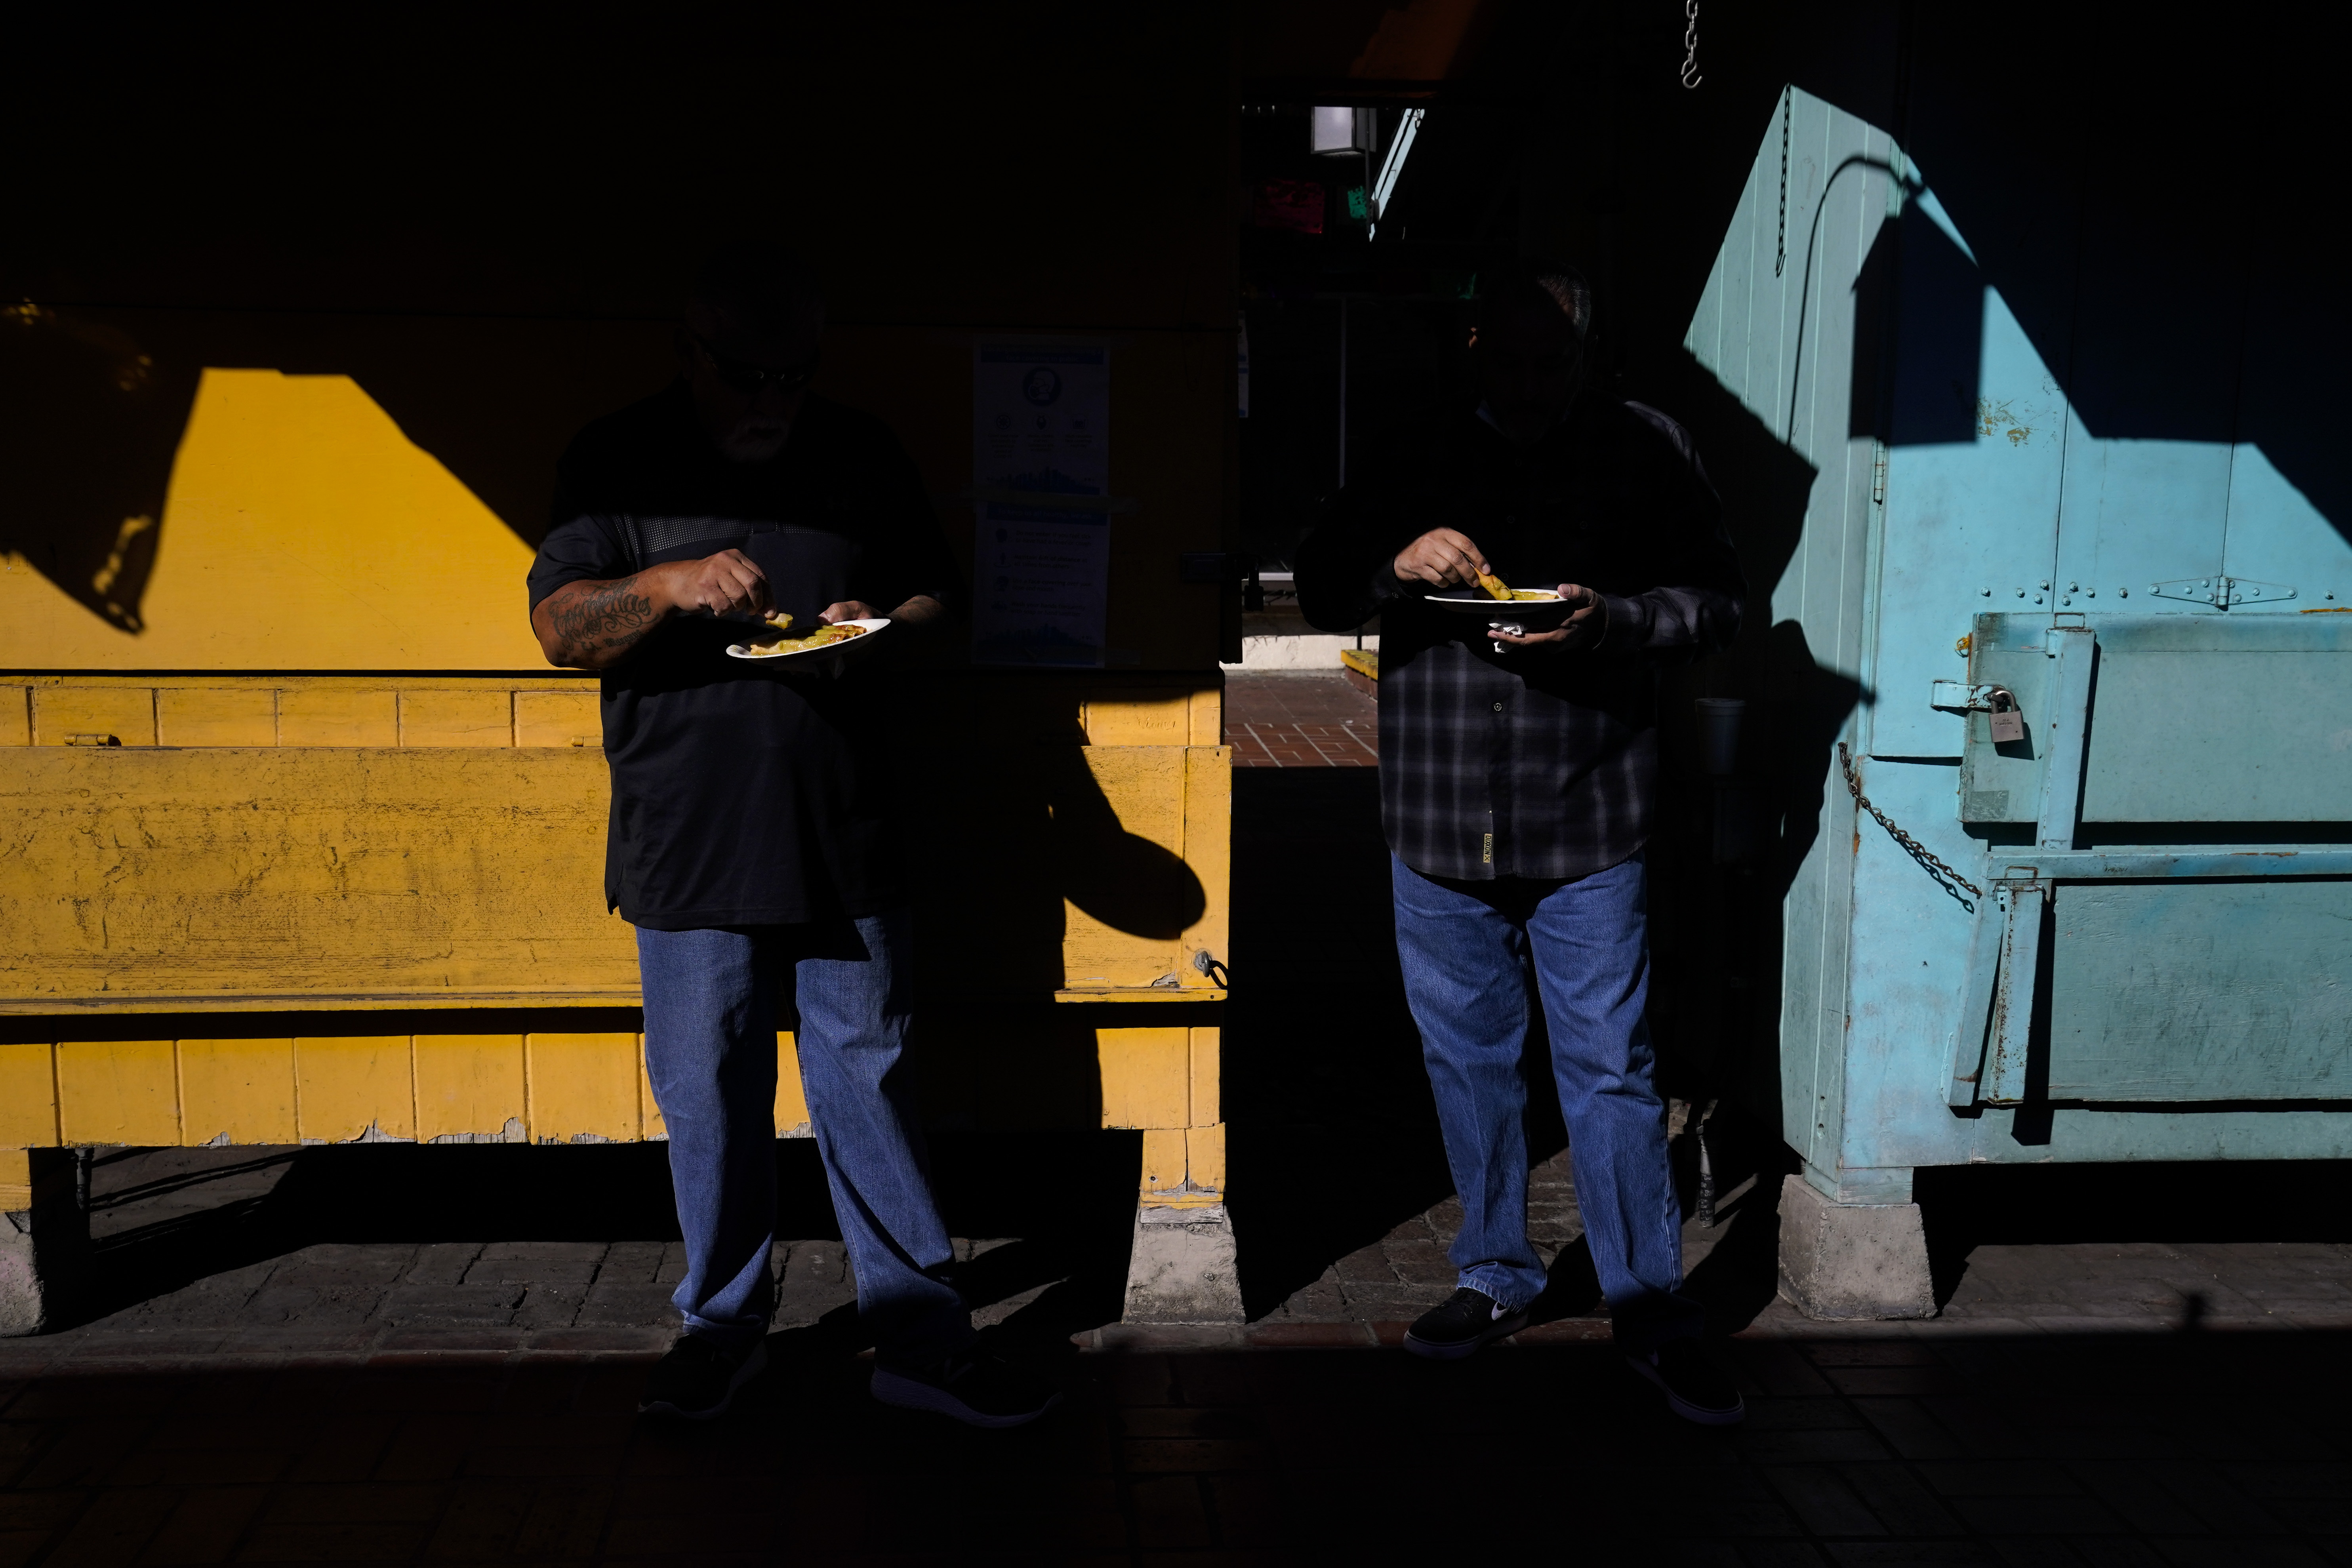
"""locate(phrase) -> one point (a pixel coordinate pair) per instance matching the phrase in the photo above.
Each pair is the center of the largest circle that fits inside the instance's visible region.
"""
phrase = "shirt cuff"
(1624, 623)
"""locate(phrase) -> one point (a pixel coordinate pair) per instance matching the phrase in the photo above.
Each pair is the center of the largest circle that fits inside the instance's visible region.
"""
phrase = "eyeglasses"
(742, 375)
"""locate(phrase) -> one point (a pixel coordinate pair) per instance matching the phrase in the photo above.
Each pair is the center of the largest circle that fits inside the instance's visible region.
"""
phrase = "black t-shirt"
(744, 792)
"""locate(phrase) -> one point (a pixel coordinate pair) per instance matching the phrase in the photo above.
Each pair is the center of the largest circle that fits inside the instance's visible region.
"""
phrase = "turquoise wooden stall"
(2069, 554)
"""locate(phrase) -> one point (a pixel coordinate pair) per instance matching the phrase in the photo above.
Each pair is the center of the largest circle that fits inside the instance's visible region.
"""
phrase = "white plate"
(1483, 606)
(872, 623)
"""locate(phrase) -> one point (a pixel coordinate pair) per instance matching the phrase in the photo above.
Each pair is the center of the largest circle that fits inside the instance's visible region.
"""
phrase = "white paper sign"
(1041, 429)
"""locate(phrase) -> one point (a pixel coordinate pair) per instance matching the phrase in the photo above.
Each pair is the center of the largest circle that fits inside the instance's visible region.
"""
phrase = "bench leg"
(44, 1240)
(1182, 1267)
(1859, 1255)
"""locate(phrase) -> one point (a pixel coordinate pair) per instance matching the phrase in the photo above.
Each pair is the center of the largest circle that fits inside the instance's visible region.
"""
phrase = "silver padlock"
(2008, 723)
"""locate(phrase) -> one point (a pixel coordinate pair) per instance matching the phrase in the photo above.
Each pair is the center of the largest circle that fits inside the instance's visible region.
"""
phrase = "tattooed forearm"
(591, 625)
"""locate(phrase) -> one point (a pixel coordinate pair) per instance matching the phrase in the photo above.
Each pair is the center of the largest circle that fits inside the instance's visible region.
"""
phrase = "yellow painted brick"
(16, 715)
(583, 1087)
(1205, 1158)
(469, 1087)
(1209, 852)
(1143, 789)
(125, 712)
(16, 1180)
(346, 1084)
(234, 716)
(649, 1114)
(1207, 713)
(792, 1104)
(1146, 1076)
(28, 1096)
(1164, 1160)
(338, 716)
(557, 718)
(118, 1091)
(1138, 717)
(441, 718)
(238, 1091)
(1207, 1111)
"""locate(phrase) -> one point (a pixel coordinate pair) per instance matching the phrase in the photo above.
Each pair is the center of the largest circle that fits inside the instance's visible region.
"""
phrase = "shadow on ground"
(1062, 1203)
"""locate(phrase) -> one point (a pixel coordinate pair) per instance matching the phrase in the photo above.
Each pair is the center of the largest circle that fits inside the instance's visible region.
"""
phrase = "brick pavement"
(1293, 721)
(425, 1400)
(1860, 1448)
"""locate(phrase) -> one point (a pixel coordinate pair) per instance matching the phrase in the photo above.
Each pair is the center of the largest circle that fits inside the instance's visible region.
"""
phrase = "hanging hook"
(1690, 45)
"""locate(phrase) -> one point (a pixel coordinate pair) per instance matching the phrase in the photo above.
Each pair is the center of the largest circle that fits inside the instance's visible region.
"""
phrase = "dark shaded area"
(1332, 1137)
(1968, 1206)
(20, 1027)
(1920, 297)
(1066, 1198)
(2108, 1448)
(90, 422)
(491, 230)
(1004, 819)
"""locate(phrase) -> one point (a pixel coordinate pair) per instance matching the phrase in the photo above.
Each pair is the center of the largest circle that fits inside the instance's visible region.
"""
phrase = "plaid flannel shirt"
(1535, 763)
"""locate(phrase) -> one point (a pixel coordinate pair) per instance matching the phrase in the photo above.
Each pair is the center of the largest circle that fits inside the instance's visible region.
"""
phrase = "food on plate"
(1498, 589)
(820, 638)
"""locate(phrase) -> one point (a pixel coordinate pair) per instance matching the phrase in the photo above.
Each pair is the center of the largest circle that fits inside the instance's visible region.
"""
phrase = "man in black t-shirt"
(751, 841)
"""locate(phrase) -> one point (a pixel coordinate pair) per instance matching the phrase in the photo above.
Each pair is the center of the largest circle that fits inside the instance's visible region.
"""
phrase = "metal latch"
(1959, 697)
(2223, 592)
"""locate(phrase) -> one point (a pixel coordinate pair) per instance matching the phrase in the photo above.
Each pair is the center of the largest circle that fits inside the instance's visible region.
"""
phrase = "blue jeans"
(710, 1053)
(1474, 953)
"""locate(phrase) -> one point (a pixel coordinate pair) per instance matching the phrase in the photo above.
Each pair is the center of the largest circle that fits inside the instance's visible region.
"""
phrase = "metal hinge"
(2223, 591)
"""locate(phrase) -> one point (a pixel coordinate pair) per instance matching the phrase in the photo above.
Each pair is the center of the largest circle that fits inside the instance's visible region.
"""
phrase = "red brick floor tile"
(113, 1529)
(1169, 1513)
(205, 1527)
(1300, 720)
(332, 1541)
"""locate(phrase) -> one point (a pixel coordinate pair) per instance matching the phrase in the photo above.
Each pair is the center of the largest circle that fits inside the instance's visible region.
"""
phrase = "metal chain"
(1912, 847)
(1780, 249)
(1690, 45)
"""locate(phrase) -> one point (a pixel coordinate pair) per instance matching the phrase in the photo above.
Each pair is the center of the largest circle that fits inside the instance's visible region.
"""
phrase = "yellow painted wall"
(301, 531)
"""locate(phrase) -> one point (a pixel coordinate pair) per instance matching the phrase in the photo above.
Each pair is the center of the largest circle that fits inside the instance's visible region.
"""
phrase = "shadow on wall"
(1715, 926)
(93, 404)
(1007, 828)
(2156, 245)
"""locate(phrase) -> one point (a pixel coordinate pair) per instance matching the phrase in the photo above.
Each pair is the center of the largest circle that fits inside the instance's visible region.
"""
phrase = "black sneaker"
(1697, 1389)
(975, 1385)
(697, 1380)
(1468, 1319)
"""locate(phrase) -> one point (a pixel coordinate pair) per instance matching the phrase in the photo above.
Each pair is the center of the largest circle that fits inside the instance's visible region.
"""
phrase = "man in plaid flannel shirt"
(1518, 783)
